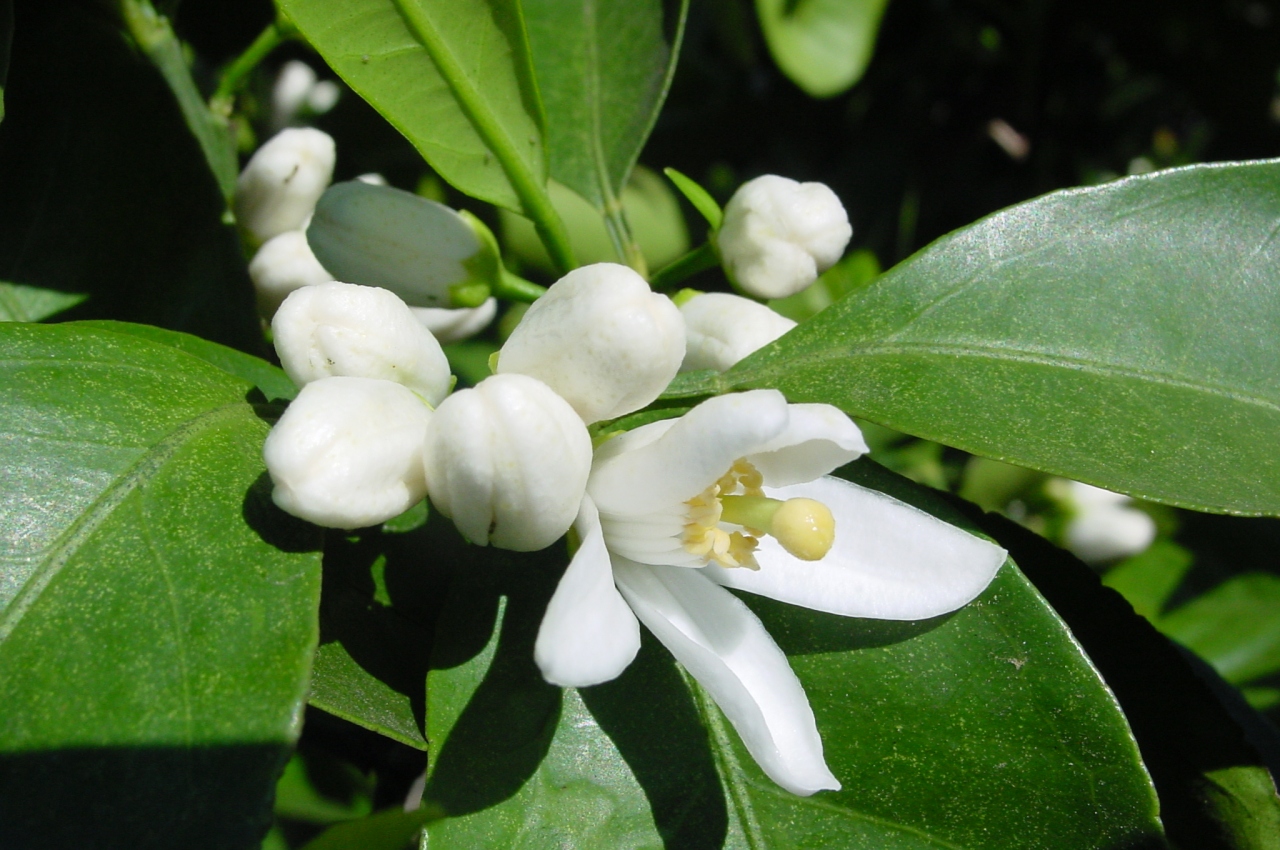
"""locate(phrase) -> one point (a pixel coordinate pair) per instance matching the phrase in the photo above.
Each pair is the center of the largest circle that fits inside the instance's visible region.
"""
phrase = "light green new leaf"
(157, 612)
(1124, 335)
(20, 303)
(823, 46)
(603, 69)
(454, 76)
(944, 733)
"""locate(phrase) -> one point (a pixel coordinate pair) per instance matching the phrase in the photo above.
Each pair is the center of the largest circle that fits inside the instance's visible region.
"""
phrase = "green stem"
(276, 33)
(531, 192)
(512, 287)
(700, 258)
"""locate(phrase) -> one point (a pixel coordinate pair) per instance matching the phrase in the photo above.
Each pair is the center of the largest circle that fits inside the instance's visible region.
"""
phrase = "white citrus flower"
(507, 461)
(1105, 526)
(347, 453)
(360, 331)
(735, 494)
(601, 339)
(279, 186)
(779, 235)
(721, 329)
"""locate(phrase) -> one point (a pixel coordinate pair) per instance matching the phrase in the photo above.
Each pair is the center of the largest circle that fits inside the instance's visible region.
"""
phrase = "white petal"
(726, 648)
(284, 263)
(818, 438)
(634, 477)
(451, 325)
(721, 329)
(588, 634)
(890, 561)
(1106, 532)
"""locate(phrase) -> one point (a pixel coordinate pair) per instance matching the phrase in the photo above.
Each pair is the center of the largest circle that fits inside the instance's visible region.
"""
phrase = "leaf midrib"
(100, 510)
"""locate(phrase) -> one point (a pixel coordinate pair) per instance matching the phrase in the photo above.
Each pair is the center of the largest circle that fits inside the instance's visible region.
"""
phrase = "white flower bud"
(379, 236)
(508, 462)
(1105, 526)
(601, 339)
(358, 331)
(282, 181)
(284, 263)
(721, 329)
(451, 325)
(292, 87)
(779, 235)
(347, 453)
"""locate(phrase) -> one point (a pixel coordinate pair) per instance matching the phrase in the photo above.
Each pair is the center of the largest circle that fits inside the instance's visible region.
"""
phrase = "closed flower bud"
(779, 235)
(1104, 526)
(721, 329)
(418, 249)
(284, 263)
(508, 462)
(601, 339)
(347, 453)
(282, 181)
(358, 331)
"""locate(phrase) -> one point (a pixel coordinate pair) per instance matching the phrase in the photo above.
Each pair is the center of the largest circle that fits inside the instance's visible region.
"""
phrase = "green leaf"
(698, 196)
(1147, 580)
(1201, 743)
(823, 46)
(1123, 335)
(1235, 627)
(854, 272)
(390, 829)
(603, 69)
(103, 189)
(988, 722)
(157, 611)
(31, 304)
(455, 77)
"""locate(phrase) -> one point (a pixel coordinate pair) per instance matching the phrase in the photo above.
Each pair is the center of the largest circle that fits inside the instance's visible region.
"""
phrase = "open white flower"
(779, 235)
(601, 339)
(735, 493)
(721, 329)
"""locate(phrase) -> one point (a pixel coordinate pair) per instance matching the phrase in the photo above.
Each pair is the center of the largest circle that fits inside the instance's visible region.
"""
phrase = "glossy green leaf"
(823, 46)
(157, 611)
(603, 69)
(1206, 750)
(989, 722)
(105, 191)
(32, 304)
(453, 75)
(1235, 627)
(1123, 335)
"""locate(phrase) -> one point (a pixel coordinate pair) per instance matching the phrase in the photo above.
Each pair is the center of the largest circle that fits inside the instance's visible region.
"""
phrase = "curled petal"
(588, 634)
(890, 561)
(726, 648)
(455, 324)
(721, 329)
(818, 438)
(636, 474)
(347, 453)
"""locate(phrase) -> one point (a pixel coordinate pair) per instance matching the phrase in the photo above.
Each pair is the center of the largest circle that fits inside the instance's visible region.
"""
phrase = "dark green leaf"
(1123, 335)
(1205, 749)
(989, 722)
(6, 40)
(157, 611)
(823, 46)
(271, 380)
(603, 70)
(453, 75)
(31, 304)
(103, 189)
